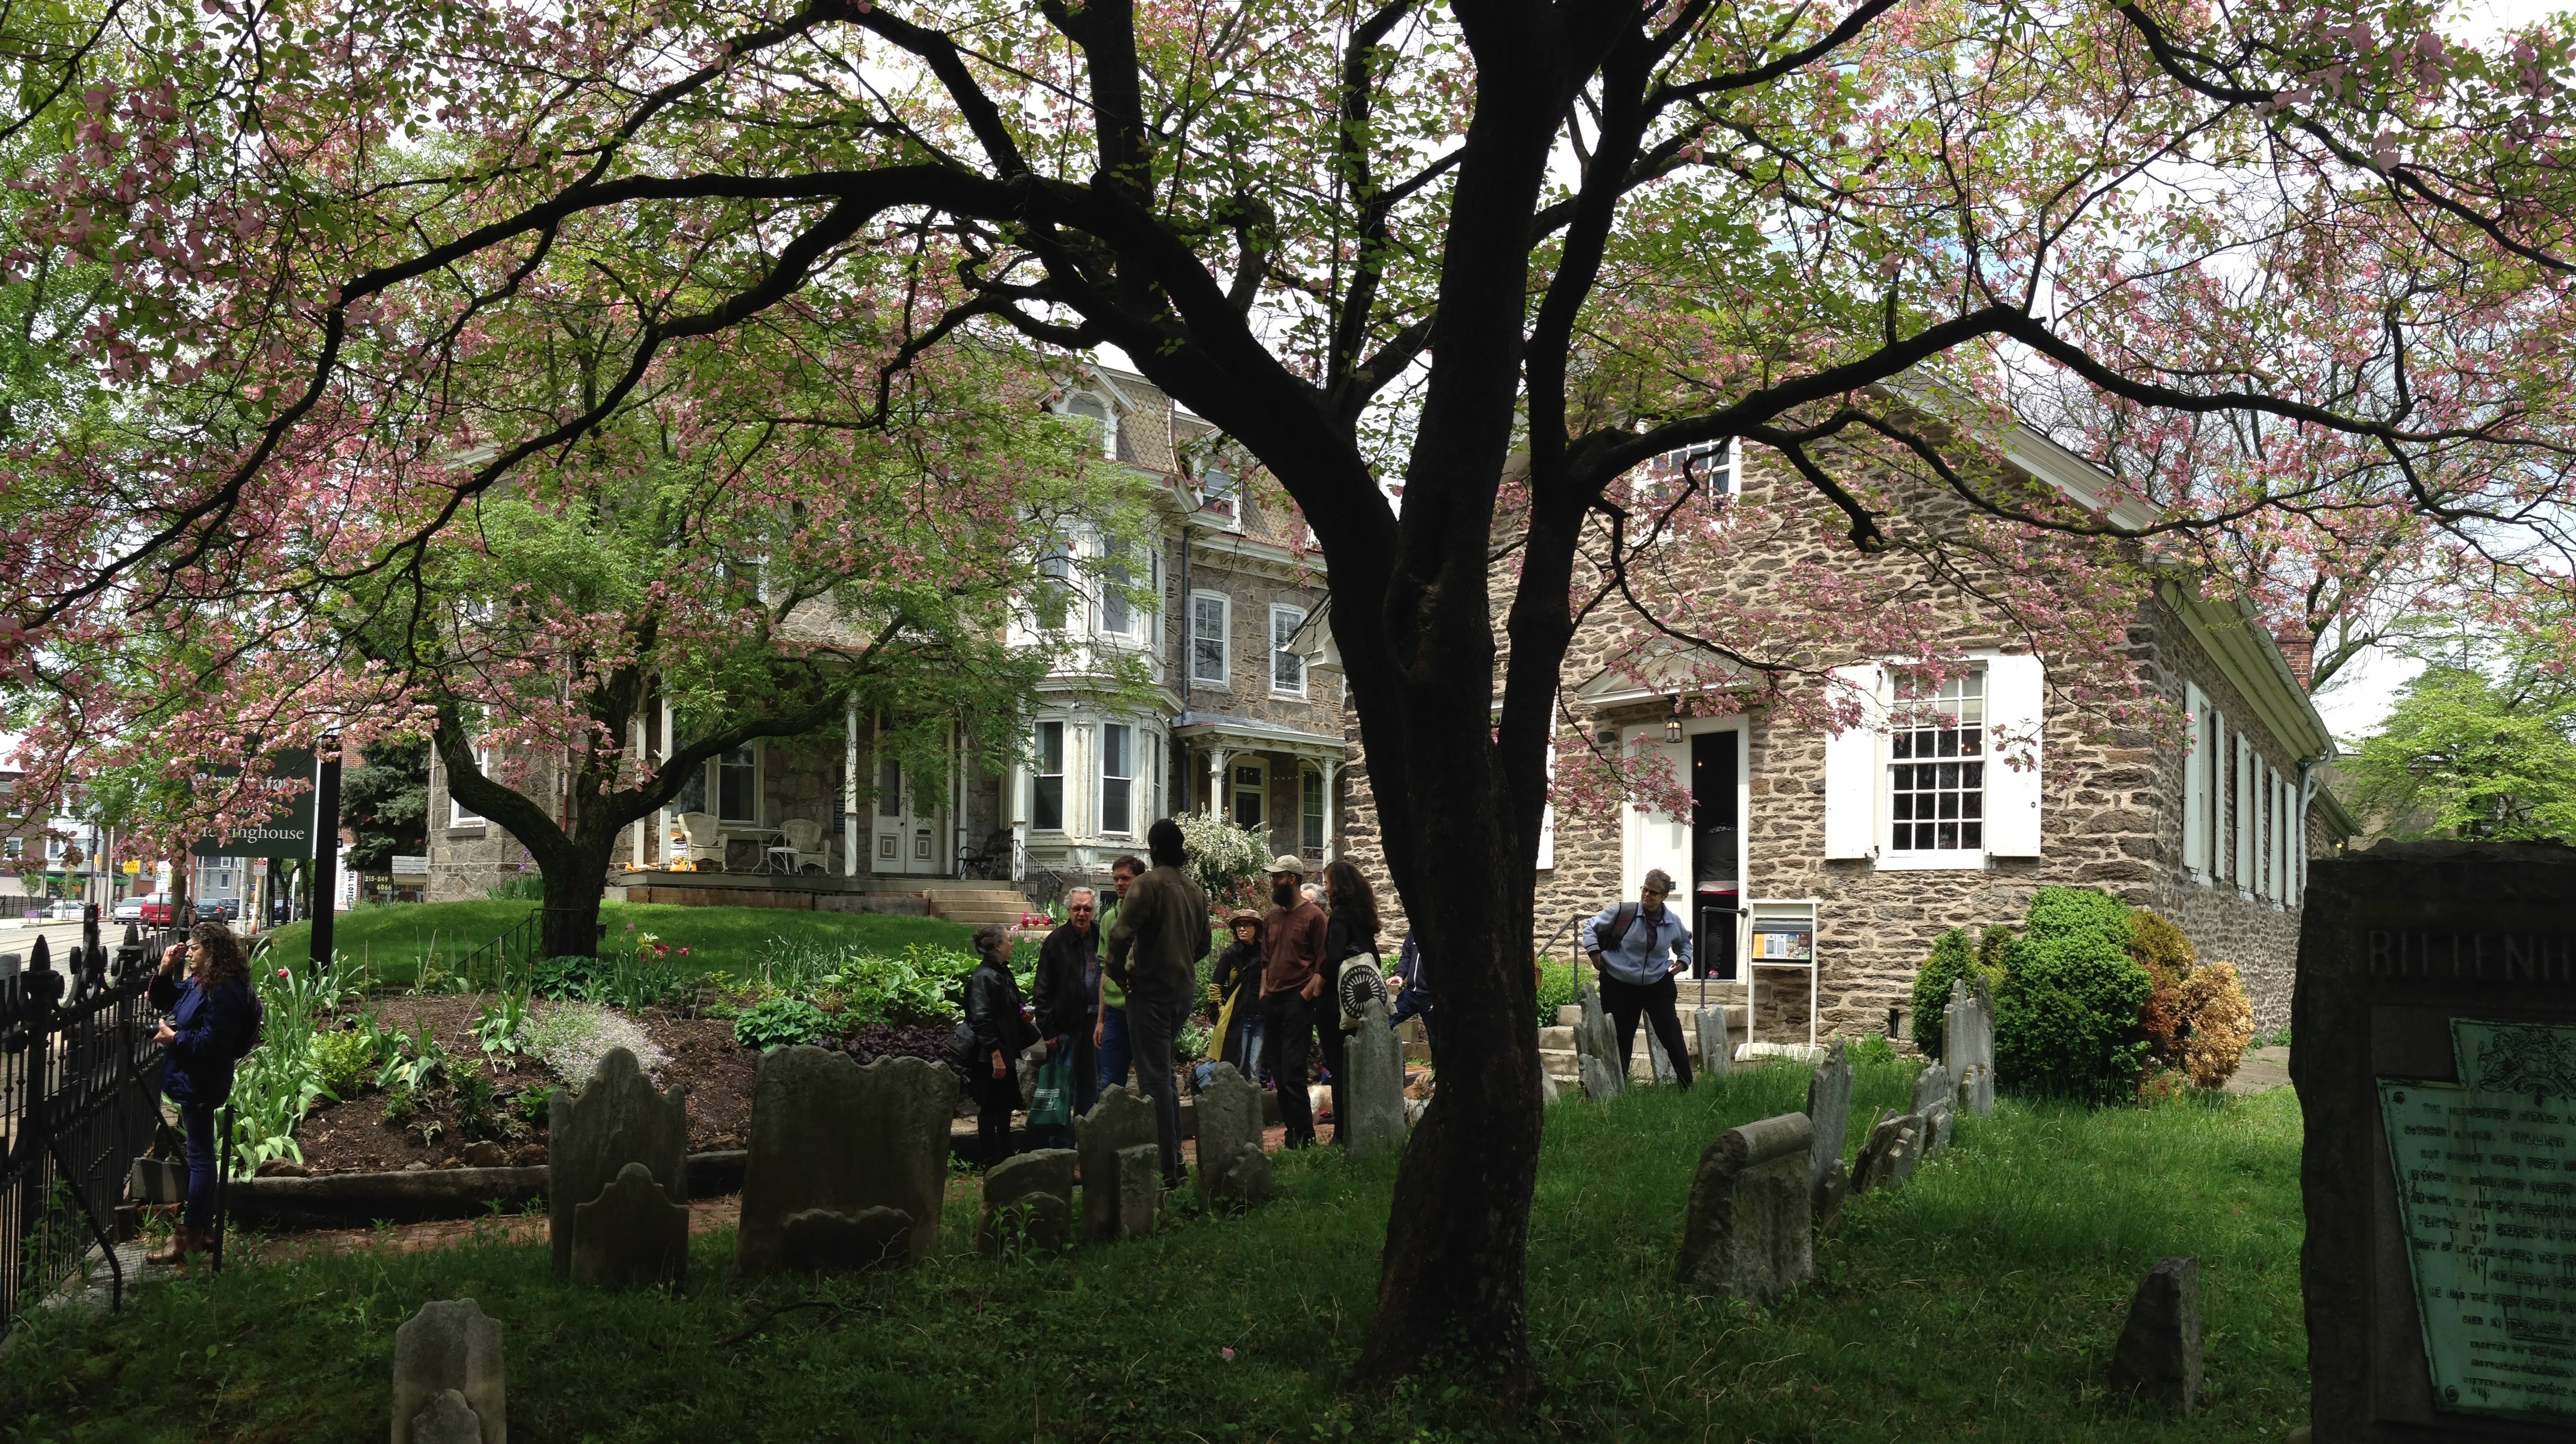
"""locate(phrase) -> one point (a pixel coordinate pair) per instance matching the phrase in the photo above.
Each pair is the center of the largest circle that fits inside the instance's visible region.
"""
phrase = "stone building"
(1231, 716)
(1820, 868)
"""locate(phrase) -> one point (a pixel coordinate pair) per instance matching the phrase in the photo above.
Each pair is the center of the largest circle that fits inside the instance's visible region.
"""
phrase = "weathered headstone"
(450, 1345)
(1931, 1086)
(1829, 1091)
(1233, 1170)
(1934, 1098)
(1658, 1062)
(2435, 1064)
(1547, 1094)
(1750, 1230)
(2158, 1356)
(1140, 1189)
(1831, 1195)
(1376, 1092)
(1937, 1122)
(631, 1234)
(1122, 1119)
(1716, 1050)
(829, 1137)
(1968, 1045)
(1028, 1199)
(1596, 1047)
(615, 1119)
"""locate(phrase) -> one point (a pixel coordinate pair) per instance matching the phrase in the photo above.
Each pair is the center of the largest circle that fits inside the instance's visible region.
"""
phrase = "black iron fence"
(79, 1091)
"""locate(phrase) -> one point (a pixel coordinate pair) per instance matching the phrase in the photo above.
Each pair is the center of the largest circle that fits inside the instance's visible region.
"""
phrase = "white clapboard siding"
(1852, 767)
(2016, 697)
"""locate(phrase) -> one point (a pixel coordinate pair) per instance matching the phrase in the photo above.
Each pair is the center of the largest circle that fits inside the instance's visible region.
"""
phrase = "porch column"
(1332, 812)
(1220, 763)
(643, 826)
(850, 839)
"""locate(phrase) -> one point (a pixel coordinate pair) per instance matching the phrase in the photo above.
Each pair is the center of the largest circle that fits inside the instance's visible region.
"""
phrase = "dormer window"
(1100, 417)
(1221, 495)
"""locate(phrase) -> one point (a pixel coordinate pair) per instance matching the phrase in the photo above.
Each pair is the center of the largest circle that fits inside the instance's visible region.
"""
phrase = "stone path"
(2260, 1071)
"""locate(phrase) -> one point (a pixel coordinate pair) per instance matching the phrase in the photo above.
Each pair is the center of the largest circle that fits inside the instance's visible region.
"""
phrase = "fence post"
(44, 987)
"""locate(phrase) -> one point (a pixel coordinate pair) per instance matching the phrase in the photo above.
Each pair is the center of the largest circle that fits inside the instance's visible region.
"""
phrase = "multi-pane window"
(1095, 416)
(889, 788)
(1936, 766)
(458, 814)
(1221, 494)
(1046, 785)
(1117, 613)
(738, 785)
(1287, 665)
(1055, 585)
(1208, 626)
(1117, 778)
(1313, 797)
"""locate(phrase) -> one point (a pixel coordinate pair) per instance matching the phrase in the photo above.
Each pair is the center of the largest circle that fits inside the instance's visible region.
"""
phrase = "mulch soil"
(353, 1136)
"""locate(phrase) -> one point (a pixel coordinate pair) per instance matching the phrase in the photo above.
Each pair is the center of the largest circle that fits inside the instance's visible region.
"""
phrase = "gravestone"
(1829, 1091)
(1750, 1231)
(1895, 1145)
(1933, 1102)
(592, 1133)
(631, 1234)
(1376, 1091)
(446, 1419)
(1547, 1094)
(831, 1139)
(2158, 1356)
(1931, 1086)
(1122, 1119)
(1234, 1172)
(1968, 1045)
(1658, 1062)
(1830, 1197)
(1596, 1047)
(1029, 1196)
(450, 1346)
(2435, 1063)
(1140, 1189)
(1716, 1052)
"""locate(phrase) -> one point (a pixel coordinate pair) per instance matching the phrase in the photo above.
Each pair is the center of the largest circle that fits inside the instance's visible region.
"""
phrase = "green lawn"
(392, 939)
(1978, 1303)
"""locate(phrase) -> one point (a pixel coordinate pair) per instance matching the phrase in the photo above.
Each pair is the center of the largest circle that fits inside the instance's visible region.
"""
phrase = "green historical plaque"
(2486, 1181)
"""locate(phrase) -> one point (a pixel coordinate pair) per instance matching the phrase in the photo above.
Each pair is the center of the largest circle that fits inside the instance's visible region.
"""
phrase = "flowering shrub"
(1223, 859)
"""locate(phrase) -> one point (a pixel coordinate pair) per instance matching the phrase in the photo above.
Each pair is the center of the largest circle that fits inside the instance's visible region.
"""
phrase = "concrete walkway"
(2260, 1071)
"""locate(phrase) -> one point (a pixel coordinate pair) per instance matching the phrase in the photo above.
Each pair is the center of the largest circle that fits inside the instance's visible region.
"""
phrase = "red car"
(157, 910)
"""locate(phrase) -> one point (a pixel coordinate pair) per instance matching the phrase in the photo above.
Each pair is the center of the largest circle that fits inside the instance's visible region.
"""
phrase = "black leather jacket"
(993, 1011)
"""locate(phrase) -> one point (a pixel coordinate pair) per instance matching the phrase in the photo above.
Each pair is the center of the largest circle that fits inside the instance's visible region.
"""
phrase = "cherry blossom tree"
(2272, 266)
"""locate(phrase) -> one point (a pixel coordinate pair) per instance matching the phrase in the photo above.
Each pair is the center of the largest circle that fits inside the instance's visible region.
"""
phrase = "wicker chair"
(706, 840)
(804, 845)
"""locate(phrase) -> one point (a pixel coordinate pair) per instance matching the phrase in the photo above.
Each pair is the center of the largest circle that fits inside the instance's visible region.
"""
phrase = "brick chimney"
(2298, 649)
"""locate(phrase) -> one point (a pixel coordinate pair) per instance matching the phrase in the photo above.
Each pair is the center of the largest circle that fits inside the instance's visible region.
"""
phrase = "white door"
(906, 840)
(1247, 792)
(1657, 839)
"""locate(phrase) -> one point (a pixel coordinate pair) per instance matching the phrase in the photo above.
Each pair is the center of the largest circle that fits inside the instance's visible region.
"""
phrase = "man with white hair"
(1066, 998)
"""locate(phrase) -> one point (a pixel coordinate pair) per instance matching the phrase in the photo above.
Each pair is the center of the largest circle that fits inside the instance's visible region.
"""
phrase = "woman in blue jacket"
(212, 1021)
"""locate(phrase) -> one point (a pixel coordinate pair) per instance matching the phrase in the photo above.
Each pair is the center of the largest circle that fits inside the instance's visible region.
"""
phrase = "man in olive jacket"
(1154, 952)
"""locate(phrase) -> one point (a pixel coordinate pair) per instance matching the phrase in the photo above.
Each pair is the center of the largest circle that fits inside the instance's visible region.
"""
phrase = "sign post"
(326, 850)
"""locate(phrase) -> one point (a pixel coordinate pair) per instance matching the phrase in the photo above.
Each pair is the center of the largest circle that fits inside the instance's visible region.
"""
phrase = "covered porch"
(1269, 778)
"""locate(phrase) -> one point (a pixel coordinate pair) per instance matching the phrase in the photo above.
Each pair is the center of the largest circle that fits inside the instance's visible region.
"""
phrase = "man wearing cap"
(1293, 980)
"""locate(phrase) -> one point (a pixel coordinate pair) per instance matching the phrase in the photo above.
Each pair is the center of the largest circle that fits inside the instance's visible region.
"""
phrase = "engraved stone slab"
(1595, 1042)
(446, 1419)
(1829, 1092)
(830, 1137)
(2158, 1356)
(631, 1234)
(1660, 1063)
(1750, 1231)
(1968, 1045)
(615, 1119)
(450, 1345)
(1716, 1051)
(817, 1239)
(1376, 1059)
(1028, 1197)
(1122, 1119)
(1140, 1189)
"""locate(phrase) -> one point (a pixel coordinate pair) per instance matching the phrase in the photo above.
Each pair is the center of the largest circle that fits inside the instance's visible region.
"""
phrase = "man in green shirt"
(1109, 1039)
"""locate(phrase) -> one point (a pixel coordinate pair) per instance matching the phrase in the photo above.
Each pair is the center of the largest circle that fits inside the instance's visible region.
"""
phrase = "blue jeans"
(199, 1121)
(1409, 1006)
(1115, 1050)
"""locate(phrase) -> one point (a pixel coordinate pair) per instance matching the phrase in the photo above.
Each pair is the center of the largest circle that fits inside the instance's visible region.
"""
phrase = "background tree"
(384, 802)
(1538, 245)
(2481, 743)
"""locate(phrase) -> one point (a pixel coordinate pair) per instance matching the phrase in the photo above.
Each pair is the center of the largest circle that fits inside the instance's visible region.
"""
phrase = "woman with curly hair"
(213, 1020)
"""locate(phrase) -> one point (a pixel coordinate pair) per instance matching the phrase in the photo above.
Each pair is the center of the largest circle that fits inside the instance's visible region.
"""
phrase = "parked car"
(126, 910)
(160, 910)
(63, 910)
(220, 910)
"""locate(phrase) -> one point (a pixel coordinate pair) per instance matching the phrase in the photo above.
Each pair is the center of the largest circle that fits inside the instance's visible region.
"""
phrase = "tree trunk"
(576, 874)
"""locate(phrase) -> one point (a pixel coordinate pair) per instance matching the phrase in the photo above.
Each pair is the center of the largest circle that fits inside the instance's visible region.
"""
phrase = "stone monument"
(837, 1151)
(1968, 1045)
(1376, 1093)
(1933, 1102)
(1140, 1188)
(1716, 1051)
(2158, 1356)
(632, 1234)
(447, 1369)
(1658, 1062)
(615, 1119)
(1028, 1197)
(2435, 1061)
(1596, 1047)
(1122, 1119)
(1233, 1170)
(1829, 1091)
(1751, 1227)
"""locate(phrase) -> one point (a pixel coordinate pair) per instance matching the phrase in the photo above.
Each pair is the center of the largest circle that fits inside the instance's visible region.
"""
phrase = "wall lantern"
(1673, 724)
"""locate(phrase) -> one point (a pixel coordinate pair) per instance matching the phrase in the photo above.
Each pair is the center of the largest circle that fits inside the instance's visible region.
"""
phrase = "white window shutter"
(2280, 838)
(2016, 699)
(2248, 810)
(1547, 815)
(2195, 784)
(2216, 771)
(1852, 770)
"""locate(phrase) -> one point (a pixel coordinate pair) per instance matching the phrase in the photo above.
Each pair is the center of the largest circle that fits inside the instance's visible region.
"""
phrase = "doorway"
(905, 836)
(1248, 792)
(1717, 851)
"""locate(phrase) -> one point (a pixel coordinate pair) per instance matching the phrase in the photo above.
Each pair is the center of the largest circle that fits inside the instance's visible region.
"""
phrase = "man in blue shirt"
(1636, 949)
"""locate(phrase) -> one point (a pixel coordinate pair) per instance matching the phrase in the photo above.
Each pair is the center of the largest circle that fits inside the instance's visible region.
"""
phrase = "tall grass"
(1980, 1302)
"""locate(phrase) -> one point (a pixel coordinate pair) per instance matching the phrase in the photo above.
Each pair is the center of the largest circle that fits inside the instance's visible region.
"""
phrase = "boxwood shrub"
(2066, 1016)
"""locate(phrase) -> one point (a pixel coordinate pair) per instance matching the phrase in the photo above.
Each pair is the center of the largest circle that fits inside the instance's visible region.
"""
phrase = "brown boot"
(183, 1241)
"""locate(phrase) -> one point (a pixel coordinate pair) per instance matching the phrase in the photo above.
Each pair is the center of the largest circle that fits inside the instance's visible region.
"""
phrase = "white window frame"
(1890, 857)
(1280, 647)
(1108, 418)
(1117, 556)
(1310, 790)
(1038, 773)
(715, 785)
(1223, 500)
(1224, 640)
(1126, 779)
(458, 814)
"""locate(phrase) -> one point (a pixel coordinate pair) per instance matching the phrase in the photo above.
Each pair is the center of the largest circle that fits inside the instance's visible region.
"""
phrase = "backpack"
(1620, 921)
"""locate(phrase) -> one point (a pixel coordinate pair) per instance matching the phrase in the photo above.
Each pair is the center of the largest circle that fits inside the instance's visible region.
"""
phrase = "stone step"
(978, 917)
(1560, 1036)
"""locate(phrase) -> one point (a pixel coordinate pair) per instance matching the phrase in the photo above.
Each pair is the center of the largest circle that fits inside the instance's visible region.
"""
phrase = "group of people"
(1117, 980)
